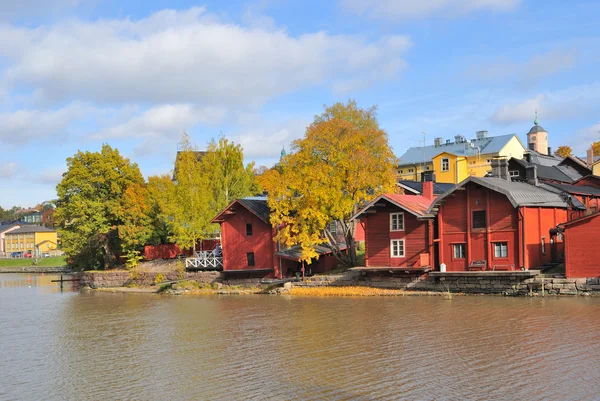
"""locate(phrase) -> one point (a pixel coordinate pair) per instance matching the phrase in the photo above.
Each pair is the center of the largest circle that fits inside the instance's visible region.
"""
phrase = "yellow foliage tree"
(343, 161)
(564, 151)
(596, 148)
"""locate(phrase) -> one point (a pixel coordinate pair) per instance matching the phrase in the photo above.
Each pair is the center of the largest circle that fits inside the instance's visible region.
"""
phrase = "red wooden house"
(398, 230)
(494, 223)
(582, 253)
(249, 248)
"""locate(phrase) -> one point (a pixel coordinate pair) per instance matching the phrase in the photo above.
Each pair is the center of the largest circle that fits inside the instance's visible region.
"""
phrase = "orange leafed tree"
(564, 151)
(596, 148)
(343, 161)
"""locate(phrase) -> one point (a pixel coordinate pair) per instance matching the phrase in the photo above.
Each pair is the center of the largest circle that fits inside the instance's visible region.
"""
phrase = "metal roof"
(295, 252)
(569, 171)
(518, 193)
(492, 144)
(417, 186)
(4, 227)
(536, 128)
(576, 189)
(414, 204)
(31, 229)
(255, 205)
(544, 160)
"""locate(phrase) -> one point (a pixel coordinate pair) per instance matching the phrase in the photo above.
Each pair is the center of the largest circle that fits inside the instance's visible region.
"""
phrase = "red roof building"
(399, 230)
(582, 253)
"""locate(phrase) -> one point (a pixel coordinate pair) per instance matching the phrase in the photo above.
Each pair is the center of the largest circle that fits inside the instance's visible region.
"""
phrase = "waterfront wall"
(35, 269)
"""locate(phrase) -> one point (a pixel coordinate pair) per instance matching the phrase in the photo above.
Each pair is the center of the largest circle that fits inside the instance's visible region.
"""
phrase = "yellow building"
(596, 168)
(452, 162)
(36, 239)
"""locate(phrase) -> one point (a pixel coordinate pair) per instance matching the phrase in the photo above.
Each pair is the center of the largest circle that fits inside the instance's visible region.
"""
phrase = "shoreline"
(36, 269)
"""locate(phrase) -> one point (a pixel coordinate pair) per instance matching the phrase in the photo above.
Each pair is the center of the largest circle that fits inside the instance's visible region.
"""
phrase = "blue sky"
(78, 73)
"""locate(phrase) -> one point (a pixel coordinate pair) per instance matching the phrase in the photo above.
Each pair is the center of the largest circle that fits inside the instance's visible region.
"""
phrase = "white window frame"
(464, 254)
(392, 221)
(514, 173)
(333, 227)
(447, 160)
(399, 255)
(498, 247)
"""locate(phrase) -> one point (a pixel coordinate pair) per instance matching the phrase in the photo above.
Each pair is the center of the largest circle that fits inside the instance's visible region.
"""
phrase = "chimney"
(531, 175)
(459, 138)
(590, 157)
(437, 142)
(500, 168)
(427, 178)
(481, 134)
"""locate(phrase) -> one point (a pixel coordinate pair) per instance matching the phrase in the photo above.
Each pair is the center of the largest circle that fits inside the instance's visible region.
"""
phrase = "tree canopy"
(90, 205)
(596, 148)
(343, 160)
(564, 151)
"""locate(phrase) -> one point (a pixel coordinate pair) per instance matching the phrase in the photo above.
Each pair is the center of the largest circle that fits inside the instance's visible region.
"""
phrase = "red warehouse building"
(493, 223)
(398, 230)
(582, 253)
(249, 248)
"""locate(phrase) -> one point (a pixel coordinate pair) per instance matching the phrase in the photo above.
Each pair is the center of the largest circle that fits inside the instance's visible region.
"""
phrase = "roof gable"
(255, 205)
(416, 205)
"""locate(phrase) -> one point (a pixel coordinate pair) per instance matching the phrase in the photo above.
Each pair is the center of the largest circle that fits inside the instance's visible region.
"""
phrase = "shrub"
(159, 278)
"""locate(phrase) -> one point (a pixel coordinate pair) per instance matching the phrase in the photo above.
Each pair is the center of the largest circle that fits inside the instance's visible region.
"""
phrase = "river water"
(99, 346)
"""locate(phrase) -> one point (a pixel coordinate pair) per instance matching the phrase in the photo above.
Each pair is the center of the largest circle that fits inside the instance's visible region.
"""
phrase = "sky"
(75, 74)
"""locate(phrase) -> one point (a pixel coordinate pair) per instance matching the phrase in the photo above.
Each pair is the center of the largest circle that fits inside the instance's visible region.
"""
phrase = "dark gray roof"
(295, 252)
(4, 227)
(493, 144)
(545, 160)
(576, 189)
(417, 186)
(569, 171)
(258, 206)
(548, 172)
(536, 128)
(31, 229)
(518, 193)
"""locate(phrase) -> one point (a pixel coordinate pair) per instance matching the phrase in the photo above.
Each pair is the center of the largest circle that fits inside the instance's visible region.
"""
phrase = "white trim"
(391, 219)
(403, 255)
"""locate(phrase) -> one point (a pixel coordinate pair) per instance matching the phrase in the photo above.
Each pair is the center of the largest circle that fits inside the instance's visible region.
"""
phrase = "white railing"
(204, 260)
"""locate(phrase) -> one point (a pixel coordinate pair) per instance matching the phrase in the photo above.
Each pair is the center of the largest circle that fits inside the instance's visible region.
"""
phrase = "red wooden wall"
(163, 251)
(582, 253)
(378, 236)
(538, 222)
(236, 244)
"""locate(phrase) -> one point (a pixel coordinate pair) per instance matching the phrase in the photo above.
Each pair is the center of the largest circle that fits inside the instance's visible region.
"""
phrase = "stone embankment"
(36, 269)
(483, 283)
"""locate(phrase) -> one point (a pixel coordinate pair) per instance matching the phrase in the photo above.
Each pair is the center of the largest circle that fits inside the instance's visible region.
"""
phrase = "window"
(333, 227)
(397, 248)
(250, 257)
(445, 164)
(401, 171)
(500, 249)
(458, 251)
(410, 170)
(543, 245)
(478, 219)
(396, 221)
(489, 161)
(248, 228)
(514, 173)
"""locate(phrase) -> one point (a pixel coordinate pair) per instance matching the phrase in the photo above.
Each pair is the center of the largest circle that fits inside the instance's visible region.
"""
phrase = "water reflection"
(93, 346)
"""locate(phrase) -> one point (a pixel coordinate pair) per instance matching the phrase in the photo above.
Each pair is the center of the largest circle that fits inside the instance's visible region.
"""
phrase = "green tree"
(343, 160)
(228, 178)
(89, 205)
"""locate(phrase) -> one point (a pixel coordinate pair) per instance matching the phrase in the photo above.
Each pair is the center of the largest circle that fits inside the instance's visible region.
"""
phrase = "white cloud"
(564, 103)
(8, 170)
(406, 9)
(538, 66)
(186, 57)
(581, 141)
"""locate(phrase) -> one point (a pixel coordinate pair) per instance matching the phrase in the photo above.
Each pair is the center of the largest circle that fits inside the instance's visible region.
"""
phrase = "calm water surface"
(97, 346)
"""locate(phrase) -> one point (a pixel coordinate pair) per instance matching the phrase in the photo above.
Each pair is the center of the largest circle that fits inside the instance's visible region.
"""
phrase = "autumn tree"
(343, 161)
(228, 177)
(89, 205)
(596, 148)
(136, 222)
(564, 151)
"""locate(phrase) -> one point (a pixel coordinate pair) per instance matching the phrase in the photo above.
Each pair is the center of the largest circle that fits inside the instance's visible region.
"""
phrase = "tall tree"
(228, 178)
(564, 151)
(343, 160)
(89, 205)
(136, 222)
(187, 202)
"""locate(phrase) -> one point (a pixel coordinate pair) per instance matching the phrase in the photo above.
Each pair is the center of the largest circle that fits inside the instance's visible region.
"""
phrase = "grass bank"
(58, 261)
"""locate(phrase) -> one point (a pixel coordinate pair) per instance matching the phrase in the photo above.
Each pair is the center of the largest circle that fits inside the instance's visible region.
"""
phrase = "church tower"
(537, 138)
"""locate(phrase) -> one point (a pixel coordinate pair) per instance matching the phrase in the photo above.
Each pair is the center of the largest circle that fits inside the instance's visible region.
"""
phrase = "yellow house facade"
(34, 239)
(596, 168)
(452, 162)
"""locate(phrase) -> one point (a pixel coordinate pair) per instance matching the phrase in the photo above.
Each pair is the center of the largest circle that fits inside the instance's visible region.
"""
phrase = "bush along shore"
(345, 284)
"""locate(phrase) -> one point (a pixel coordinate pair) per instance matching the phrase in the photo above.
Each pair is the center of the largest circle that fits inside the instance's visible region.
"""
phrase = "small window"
(248, 229)
(489, 161)
(445, 164)
(479, 219)
(410, 170)
(396, 221)
(401, 171)
(250, 257)
(500, 249)
(543, 245)
(333, 227)
(397, 248)
(459, 251)
(514, 173)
